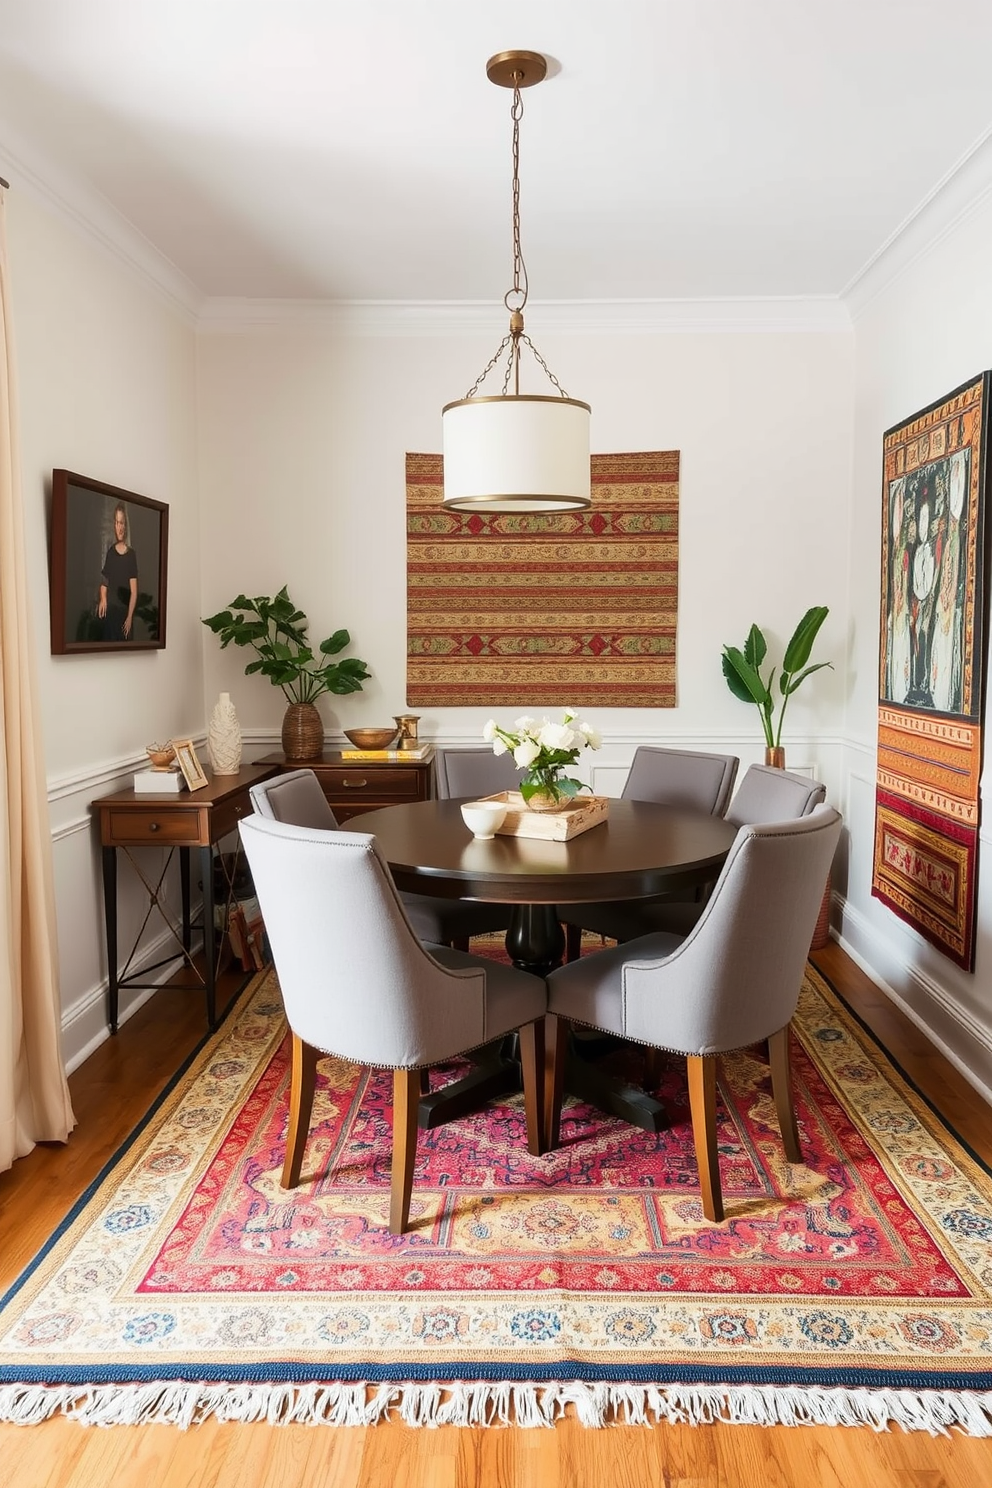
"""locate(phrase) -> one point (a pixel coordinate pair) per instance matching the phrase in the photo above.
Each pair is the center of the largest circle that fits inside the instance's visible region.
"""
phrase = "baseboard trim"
(948, 1026)
(84, 1025)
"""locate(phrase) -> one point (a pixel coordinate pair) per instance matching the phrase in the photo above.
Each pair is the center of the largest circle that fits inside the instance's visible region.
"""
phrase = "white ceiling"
(354, 149)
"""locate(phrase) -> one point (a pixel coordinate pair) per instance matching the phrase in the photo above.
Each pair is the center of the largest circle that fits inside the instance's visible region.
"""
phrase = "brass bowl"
(161, 755)
(371, 738)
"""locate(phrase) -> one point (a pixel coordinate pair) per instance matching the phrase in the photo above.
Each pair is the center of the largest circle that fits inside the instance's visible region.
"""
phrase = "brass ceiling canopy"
(516, 451)
(517, 69)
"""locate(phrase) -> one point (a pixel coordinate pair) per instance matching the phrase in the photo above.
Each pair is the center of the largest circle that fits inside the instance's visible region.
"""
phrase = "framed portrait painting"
(934, 616)
(109, 567)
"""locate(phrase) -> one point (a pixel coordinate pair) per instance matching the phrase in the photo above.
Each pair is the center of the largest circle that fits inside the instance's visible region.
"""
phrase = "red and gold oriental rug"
(526, 609)
(853, 1289)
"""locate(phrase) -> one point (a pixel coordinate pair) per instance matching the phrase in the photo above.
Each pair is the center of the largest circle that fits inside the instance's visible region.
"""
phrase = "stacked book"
(421, 752)
(159, 782)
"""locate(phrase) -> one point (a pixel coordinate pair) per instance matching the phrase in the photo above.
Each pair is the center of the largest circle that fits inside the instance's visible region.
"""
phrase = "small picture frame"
(189, 764)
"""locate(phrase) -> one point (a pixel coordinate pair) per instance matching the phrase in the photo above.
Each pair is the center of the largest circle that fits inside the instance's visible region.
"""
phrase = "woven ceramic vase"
(224, 738)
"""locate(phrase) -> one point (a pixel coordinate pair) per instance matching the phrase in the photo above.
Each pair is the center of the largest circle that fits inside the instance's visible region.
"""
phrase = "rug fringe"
(484, 1403)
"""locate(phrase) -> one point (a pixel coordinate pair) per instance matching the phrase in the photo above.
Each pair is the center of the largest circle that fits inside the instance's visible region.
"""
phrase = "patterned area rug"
(856, 1288)
(523, 609)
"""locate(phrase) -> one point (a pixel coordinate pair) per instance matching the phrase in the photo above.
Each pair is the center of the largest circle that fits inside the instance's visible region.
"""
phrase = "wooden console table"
(191, 819)
(352, 786)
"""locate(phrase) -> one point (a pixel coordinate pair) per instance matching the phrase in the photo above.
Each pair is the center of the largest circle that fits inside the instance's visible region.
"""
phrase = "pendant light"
(516, 451)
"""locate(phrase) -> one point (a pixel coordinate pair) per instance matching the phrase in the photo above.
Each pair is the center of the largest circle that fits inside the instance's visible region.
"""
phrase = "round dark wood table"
(642, 850)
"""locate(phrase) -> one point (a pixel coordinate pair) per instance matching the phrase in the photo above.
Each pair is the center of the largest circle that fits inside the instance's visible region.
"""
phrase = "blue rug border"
(288, 1372)
(636, 1374)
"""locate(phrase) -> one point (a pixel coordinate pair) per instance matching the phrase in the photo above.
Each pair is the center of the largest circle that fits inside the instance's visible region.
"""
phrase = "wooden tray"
(552, 826)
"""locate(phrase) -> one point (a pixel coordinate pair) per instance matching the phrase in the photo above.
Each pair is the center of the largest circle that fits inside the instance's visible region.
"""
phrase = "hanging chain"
(544, 366)
(489, 367)
(519, 267)
(516, 298)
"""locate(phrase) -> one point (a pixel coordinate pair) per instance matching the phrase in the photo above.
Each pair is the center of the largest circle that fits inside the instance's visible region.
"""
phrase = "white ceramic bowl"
(483, 817)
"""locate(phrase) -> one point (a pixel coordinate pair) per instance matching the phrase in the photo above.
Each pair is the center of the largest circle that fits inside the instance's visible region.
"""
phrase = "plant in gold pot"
(277, 632)
(742, 669)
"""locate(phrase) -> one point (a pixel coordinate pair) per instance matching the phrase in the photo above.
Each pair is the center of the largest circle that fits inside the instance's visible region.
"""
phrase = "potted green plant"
(277, 632)
(741, 667)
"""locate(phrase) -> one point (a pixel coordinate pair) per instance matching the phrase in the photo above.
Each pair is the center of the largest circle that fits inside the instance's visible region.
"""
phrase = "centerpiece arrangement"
(544, 750)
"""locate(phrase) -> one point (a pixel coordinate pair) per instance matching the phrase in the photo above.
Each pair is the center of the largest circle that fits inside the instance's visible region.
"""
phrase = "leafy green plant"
(277, 632)
(741, 667)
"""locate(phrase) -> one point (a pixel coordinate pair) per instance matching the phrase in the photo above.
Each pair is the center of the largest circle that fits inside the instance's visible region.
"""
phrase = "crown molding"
(455, 318)
(86, 210)
(960, 193)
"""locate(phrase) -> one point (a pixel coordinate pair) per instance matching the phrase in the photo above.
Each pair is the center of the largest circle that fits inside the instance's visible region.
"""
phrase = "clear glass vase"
(547, 797)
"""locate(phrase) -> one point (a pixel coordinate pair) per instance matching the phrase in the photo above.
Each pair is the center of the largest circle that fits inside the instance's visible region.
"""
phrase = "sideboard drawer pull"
(353, 784)
(153, 826)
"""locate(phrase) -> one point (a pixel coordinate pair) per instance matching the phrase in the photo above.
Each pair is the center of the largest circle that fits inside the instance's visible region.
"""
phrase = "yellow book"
(422, 752)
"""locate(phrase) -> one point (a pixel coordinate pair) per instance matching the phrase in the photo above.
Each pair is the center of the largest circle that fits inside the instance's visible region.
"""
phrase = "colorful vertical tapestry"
(528, 609)
(931, 683)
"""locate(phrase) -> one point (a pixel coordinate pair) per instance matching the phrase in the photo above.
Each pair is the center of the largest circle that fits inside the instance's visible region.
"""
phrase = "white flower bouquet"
(543, 750)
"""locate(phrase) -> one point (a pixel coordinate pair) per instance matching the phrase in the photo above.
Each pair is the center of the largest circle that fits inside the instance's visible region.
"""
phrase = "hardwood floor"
(111, 1092)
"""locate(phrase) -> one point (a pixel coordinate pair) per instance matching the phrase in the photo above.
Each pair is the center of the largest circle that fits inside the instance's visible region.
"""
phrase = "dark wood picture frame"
(90, 609)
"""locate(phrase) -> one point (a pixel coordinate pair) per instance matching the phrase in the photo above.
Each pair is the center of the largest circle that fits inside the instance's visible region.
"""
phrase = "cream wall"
(304, 434)
(107, 375)
(919, 335)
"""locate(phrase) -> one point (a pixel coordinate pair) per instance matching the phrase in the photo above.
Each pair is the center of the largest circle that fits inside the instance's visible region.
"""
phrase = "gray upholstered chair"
(675, 777)
(732, 981)
(765, 794)
(296, 797)
(474, 772)
(356, 982)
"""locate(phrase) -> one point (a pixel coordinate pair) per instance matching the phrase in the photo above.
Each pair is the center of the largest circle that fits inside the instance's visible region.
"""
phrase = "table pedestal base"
(535, 942)
(496, 1072)
(607, 1093)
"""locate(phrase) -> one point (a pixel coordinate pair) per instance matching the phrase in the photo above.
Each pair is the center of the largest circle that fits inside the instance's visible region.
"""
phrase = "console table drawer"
(157, 824)
(400, 782)
(226, 817)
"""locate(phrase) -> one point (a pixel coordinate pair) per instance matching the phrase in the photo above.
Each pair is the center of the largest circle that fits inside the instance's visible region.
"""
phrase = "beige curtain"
(34, 1097)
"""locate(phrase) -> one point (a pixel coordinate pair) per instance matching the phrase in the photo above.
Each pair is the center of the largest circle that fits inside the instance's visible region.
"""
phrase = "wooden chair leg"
(556, 1031)
(702, 1106)
(778, 1058)
(406, 1101)
(302, 1083)
(573, 942)
(532, 1065)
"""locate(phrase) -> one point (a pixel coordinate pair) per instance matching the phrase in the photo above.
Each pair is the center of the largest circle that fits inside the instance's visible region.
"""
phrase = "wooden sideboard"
(354, 786)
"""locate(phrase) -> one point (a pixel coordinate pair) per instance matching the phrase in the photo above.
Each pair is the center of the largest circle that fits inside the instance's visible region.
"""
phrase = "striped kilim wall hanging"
(930, 677)
(527, 609)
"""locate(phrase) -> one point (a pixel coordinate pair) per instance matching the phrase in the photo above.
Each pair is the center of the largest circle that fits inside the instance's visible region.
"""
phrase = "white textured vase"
(224, 738)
